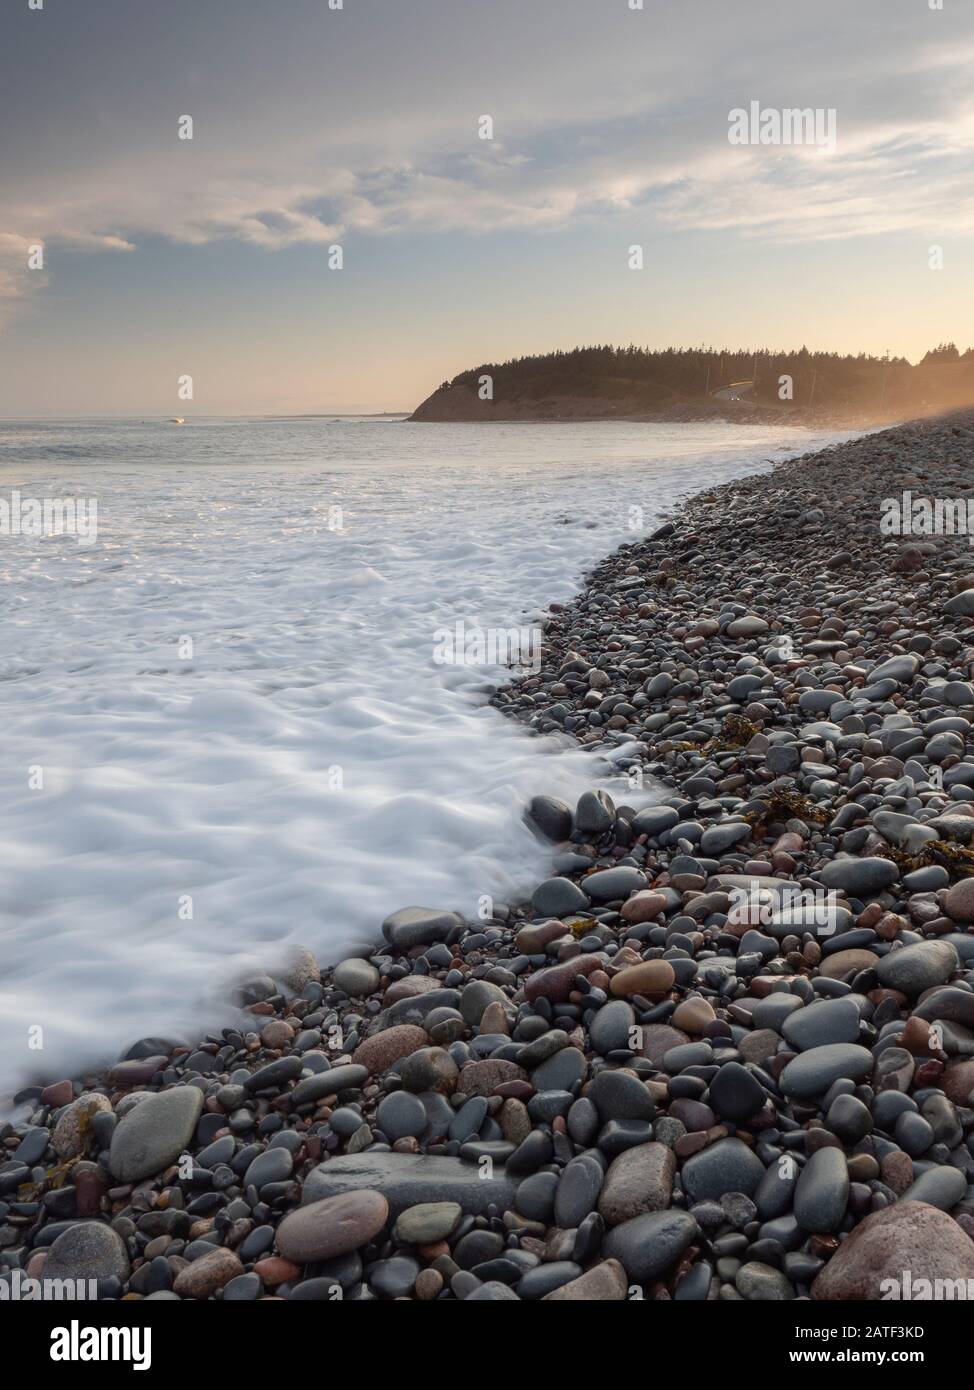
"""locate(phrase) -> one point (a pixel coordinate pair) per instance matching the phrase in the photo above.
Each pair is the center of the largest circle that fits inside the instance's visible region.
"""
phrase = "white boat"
(177, 420)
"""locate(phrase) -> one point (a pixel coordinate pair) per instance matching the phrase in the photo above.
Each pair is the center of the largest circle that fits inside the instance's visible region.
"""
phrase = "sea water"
(226, 722)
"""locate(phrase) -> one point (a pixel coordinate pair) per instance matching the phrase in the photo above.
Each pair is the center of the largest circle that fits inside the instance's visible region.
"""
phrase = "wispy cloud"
(876, 182)
(881, 179)
(659, 148)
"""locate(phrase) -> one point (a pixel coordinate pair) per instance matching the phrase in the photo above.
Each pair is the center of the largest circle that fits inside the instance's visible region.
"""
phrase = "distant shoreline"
(569, 411)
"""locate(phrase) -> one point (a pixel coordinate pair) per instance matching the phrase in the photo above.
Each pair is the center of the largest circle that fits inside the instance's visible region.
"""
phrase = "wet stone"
(649, 1245)
(727, 1166)
(822, 1193)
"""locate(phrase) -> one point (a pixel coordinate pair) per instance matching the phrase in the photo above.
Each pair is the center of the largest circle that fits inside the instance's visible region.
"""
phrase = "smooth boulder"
(908, 1238)
(811, 1073)
(333, 1226)
(154, 1133)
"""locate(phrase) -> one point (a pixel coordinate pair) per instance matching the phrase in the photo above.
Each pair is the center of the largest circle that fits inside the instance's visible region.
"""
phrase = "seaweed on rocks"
(956, 859)
(735, 732)
(783, 804)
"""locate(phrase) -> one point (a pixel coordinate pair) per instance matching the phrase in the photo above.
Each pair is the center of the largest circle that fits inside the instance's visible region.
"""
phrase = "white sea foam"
(212, 778)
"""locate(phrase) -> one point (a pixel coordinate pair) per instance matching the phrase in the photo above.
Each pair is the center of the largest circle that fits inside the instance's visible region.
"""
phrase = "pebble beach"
(724, 1051)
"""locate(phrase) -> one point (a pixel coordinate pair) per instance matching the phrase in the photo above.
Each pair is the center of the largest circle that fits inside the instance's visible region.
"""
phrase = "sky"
(316, 126)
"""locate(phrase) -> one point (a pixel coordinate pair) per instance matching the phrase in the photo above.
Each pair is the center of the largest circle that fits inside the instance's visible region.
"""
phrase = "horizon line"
(150, 416)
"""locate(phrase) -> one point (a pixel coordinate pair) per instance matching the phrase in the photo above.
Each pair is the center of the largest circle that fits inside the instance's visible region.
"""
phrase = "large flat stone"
(407, 1180)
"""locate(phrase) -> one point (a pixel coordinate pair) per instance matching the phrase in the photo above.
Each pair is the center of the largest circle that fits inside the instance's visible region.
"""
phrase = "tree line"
(659, 376)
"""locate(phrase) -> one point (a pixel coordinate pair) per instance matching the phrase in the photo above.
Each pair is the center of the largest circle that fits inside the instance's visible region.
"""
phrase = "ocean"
(230, 715)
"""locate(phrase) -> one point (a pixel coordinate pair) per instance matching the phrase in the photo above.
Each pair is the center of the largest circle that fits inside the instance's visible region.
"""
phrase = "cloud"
(16, 280)
(659, 150)
(880, 179)
(92, 241)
